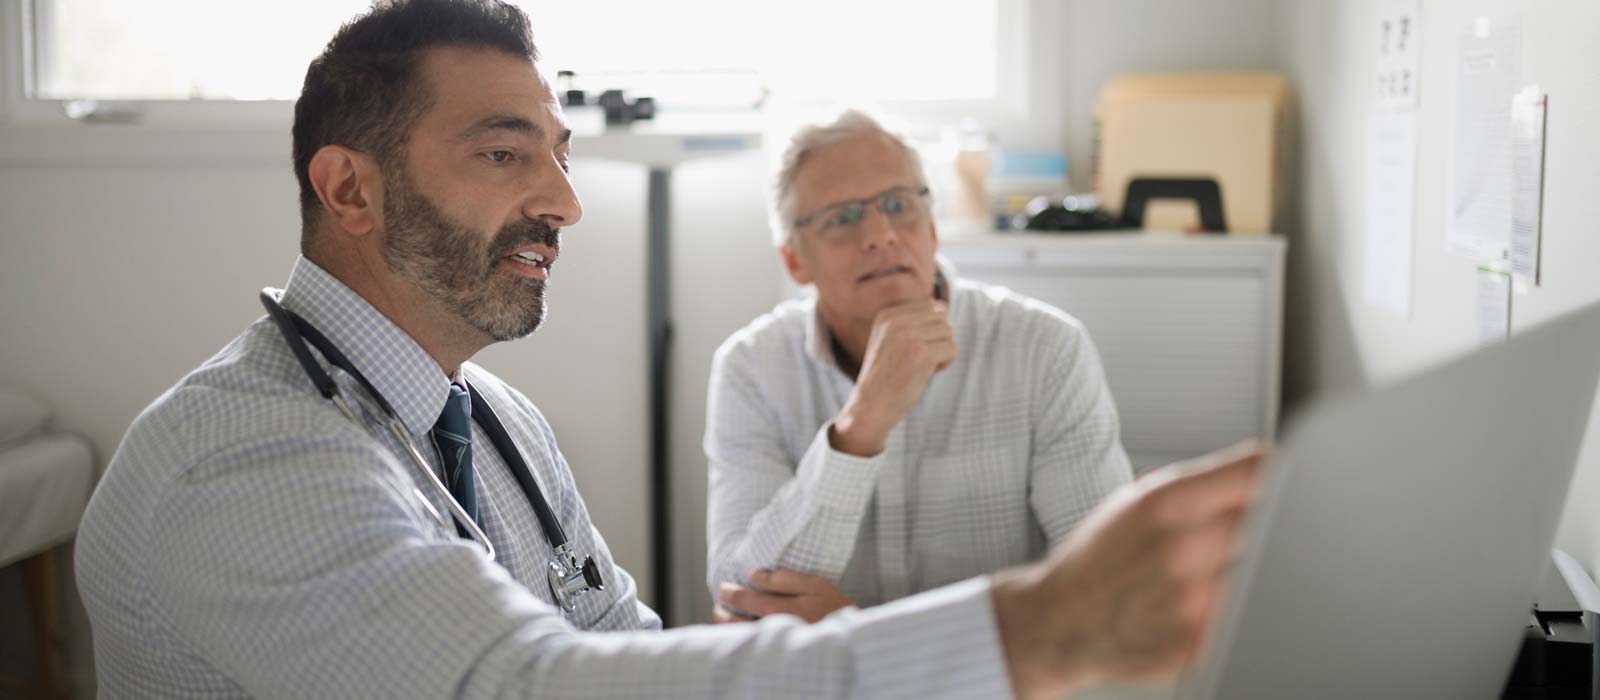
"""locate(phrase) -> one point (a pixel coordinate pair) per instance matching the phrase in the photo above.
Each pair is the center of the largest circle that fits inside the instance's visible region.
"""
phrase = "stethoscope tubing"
(567, 576)
(295, 330)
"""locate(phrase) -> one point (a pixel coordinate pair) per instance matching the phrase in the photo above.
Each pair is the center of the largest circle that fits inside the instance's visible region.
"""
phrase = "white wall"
(1335, 340)
(725, 273)
(117, 280)
(1105, 38)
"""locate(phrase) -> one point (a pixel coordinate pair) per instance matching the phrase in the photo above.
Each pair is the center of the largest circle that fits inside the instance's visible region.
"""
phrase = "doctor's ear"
(350, 185)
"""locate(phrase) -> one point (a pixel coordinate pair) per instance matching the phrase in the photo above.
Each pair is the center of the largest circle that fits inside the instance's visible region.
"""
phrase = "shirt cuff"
(940, 644)
(840, 480)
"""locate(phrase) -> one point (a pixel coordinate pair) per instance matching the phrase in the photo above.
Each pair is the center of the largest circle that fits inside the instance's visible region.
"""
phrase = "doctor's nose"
(552, 199)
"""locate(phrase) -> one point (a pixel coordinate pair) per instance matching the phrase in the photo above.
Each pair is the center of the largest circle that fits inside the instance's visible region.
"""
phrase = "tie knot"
(456, 418)
(452, 435)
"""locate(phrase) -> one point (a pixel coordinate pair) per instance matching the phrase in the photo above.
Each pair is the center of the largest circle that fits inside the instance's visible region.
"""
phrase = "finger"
(915, 330)
(1196, 491)
(919, 310)
(787, 582)
(905, 339)
(938, 313)
(935, 329)
(943, 355)
(722, 616)
(750, 601)
(913, 307)
(917, 326)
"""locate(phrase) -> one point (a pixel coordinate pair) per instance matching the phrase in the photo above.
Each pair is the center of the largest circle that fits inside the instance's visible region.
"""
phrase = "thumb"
(784, 581)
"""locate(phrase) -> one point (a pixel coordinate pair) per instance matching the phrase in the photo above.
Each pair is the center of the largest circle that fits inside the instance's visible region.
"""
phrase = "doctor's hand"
(909, 344)
(1128, 595)
(807, 597)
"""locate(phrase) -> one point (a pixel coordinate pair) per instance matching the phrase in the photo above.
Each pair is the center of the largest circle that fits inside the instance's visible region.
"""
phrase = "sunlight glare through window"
(819, 50)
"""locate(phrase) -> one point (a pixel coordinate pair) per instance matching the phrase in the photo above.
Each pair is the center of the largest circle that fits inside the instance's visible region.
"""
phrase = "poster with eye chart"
(1392, 157)
(1488, 70)
(1399, 55)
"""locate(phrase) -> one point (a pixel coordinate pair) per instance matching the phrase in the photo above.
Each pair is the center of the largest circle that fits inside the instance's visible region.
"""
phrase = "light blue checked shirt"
(249, 541)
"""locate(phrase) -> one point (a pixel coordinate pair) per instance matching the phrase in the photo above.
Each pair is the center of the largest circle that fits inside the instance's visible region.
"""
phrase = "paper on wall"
(1527, 168)
(1488, 69)
(1391, 185)
(1392, 157)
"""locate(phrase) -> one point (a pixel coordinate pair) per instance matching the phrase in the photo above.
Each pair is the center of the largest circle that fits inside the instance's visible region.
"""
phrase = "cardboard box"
(1228, 127)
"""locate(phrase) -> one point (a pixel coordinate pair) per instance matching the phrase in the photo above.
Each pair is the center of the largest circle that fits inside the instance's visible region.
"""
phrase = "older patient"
(905, 428)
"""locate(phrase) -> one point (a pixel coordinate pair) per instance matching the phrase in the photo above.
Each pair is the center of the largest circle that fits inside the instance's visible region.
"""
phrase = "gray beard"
(456, 267)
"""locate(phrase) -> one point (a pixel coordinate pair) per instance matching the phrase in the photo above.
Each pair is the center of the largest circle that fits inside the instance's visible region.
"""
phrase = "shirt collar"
(397, 366)
(819, 338)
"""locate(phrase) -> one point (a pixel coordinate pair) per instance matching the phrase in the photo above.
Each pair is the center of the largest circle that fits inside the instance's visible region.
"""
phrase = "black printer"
(1557, 660)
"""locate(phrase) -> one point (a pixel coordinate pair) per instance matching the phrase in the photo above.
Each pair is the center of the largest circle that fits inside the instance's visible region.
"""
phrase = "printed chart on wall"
(1488, 70)
(1527, 172)
(1392, 157)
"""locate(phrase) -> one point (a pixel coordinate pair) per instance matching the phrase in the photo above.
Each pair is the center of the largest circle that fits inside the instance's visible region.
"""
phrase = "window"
(178, 49)
(195, 51)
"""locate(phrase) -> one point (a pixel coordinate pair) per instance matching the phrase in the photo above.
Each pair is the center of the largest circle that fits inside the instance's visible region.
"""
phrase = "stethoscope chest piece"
(568, 579)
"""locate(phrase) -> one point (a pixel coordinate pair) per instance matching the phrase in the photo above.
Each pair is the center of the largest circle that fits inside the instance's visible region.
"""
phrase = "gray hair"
(810, 137)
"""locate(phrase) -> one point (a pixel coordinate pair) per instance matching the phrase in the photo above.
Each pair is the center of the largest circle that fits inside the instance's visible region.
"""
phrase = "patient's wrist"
(854, 435)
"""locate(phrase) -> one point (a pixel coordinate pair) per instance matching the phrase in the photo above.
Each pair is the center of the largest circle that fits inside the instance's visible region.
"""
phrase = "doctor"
(313, 511)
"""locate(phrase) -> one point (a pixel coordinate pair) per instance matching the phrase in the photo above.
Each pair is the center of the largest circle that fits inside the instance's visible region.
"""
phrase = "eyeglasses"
(903, 207)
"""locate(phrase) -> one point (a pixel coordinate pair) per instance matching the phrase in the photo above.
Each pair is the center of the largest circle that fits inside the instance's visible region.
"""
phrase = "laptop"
(1401, 534)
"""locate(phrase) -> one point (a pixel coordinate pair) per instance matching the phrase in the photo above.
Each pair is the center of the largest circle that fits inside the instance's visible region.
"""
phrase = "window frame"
(1016, 68)
(21, 66)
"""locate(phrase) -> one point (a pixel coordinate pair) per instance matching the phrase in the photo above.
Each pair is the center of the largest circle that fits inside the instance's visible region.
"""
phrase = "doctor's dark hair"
(365, 91)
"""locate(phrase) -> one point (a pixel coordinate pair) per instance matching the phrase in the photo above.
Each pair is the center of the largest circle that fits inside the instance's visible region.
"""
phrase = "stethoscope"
(567, 578)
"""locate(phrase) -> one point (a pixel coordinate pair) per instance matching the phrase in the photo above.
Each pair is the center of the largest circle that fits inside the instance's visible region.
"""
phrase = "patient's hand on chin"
(774, 592)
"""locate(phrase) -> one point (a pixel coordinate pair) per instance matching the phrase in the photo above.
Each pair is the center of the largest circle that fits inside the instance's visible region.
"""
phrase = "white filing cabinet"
(1189, 327)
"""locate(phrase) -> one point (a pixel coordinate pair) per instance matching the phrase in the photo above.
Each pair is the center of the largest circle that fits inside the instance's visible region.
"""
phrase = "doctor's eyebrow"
(510, 123)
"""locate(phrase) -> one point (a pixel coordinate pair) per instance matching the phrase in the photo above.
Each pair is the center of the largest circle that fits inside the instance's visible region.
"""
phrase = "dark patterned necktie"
(452, 436)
